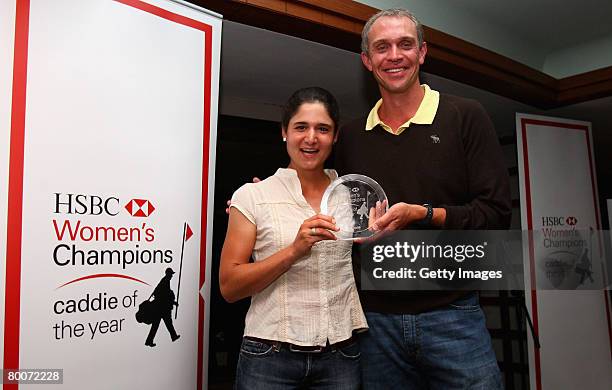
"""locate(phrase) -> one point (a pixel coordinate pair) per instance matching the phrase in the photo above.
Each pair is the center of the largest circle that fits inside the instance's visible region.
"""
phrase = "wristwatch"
(426, 221)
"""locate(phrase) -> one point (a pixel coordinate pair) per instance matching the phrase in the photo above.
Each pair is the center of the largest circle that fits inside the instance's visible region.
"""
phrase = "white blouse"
(316, 299)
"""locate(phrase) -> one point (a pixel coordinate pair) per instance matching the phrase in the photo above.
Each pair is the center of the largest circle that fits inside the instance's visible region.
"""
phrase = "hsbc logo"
(559, 221)
(94, 205)
(83, 204)
(139, 207)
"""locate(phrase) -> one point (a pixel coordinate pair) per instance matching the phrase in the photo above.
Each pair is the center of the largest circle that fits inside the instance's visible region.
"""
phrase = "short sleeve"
(243, 200)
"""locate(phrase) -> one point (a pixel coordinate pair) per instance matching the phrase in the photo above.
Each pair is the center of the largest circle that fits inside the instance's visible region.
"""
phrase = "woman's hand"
(313, 230)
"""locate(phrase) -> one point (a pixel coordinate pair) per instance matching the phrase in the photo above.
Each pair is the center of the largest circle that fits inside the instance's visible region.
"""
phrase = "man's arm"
(490, 206)
(228, 202)
(401, 215)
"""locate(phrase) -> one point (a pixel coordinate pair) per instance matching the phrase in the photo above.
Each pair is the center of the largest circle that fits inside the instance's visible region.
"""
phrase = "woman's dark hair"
(311, 95)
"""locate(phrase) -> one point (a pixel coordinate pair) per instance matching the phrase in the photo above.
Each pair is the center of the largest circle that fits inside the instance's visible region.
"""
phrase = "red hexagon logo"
(139, 208)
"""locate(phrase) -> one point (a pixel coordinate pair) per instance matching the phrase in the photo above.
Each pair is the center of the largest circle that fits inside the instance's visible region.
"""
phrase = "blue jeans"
(448, 348)
(262, 367)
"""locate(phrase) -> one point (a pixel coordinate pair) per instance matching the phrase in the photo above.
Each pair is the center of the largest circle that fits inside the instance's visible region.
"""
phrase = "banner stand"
(110, 140)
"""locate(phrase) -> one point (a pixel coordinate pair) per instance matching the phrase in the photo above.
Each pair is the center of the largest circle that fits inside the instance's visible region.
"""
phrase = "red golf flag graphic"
(188, 232)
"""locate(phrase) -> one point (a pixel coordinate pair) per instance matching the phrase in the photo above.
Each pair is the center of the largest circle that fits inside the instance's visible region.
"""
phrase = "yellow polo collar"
(424, 115)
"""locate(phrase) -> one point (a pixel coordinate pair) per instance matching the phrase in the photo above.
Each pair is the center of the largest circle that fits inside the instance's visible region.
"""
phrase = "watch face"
(354, 200)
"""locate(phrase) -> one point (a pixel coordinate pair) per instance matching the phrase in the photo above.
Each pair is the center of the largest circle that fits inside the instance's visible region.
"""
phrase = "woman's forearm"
(240, 280)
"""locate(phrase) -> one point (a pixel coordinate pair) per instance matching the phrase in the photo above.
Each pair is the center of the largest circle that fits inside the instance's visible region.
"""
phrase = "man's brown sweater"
(455, 163)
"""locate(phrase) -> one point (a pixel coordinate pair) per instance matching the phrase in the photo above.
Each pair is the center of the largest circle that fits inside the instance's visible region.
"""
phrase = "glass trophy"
(352, 201)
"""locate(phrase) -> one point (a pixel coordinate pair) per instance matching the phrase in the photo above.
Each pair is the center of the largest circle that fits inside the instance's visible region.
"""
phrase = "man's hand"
(398, 217)
(376, 212)
(229, 202)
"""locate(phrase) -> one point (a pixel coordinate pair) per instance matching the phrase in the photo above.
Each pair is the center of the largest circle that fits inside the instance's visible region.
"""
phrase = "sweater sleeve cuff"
(455, 217)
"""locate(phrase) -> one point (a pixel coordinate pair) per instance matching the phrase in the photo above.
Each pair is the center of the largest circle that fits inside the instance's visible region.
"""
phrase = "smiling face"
(310, 136)
(394, 55)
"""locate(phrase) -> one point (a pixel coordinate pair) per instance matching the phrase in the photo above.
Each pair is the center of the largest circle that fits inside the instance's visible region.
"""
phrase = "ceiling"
(549, 24)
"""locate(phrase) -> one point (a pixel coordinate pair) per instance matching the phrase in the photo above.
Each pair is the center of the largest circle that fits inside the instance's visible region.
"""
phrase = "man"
(438, 159)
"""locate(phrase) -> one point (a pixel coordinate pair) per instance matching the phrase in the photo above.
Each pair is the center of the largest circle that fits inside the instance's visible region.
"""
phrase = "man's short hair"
(397, 12)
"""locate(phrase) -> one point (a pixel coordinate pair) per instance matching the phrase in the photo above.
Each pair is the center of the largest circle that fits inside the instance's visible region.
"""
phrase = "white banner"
(559, 197)
(113, 139)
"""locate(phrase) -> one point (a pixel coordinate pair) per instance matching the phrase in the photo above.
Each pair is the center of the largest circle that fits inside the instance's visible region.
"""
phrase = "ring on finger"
(313, 230)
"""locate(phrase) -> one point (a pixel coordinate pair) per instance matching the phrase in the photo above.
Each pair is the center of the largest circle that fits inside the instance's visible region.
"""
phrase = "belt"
(277, 345)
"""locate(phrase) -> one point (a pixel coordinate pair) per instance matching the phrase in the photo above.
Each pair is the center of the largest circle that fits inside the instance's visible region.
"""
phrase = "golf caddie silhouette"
(160, 308)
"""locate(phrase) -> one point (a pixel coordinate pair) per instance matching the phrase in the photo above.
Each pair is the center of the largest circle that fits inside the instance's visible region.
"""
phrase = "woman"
(299, 330)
